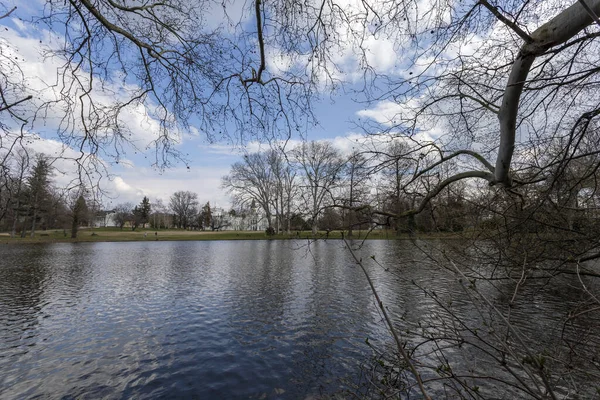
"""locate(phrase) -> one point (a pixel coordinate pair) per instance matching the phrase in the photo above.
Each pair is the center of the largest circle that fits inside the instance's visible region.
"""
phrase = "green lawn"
(117, 235)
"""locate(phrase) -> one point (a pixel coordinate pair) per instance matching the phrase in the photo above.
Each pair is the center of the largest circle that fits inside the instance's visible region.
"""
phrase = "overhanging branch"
(555, 32)
(6, 107)
(524, 35)
(488, 176)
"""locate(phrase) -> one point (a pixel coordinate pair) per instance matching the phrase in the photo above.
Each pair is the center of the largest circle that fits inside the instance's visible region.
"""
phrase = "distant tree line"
(182, 212)
(30, 201)
(310, 187)
(403, 187)
(314, 186)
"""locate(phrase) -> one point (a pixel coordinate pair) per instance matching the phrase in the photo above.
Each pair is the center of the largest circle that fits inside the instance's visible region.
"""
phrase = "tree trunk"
(269, 220)
(411, 223)
(557, 31)
(13, 232)
(315, 215)
(74, 226)
(33, 222)
(397, 221)
(289, 219)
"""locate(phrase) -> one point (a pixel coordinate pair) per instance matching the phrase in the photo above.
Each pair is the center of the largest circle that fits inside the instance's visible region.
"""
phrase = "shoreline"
(146, 235)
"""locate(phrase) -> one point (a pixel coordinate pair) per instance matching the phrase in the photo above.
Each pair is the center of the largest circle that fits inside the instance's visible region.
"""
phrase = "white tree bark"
(557, 31)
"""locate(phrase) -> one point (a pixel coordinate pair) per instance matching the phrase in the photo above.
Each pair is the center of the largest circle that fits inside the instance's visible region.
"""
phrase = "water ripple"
(198, 319)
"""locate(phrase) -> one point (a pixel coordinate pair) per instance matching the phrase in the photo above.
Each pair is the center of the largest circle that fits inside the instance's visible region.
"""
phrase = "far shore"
(139, 235)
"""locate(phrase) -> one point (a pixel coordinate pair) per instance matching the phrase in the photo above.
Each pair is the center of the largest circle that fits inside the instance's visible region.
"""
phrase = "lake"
(249, 319)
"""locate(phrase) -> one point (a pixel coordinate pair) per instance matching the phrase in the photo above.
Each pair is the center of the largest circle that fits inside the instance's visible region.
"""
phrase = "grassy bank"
(117, 235)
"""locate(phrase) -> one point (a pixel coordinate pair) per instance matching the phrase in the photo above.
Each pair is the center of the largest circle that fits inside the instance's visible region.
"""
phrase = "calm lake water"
(215, 319)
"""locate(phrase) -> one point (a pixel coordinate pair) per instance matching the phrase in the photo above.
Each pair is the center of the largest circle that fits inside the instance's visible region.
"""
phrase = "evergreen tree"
(141, 214)
(38, 184)
(206, 216)
(78, 214)
(144, 210)
(136, 218)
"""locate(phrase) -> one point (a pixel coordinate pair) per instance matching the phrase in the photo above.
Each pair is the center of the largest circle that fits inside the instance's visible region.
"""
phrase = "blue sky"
(394, 52)
(133, 177)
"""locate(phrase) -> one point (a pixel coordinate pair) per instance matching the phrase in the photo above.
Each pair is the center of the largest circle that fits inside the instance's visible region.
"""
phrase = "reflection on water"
(255, 319)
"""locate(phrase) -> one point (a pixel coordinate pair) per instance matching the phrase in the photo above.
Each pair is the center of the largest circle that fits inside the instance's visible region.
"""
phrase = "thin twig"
(389, 323)
(16, 102)
(515, 332)
(8, 13)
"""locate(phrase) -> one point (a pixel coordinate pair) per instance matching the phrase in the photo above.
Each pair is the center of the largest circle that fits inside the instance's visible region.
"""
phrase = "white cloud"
(278, 61)
(124, 189)
(28, 47)
(389, 113)
(345, 144)
(381, 54)
(132, 185)
(250, 147)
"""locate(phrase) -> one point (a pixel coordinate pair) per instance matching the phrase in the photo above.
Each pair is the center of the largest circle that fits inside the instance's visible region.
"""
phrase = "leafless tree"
(503, 93)
(286, 189)
(321, 167)
(159, 214)
(355, 189)
(254, 180)
(184, 205)
(123, 214)
(15, 185)
(506, 92)
(503, 96)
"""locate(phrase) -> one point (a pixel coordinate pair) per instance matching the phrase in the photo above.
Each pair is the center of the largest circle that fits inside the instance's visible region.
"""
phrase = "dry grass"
(117, 235)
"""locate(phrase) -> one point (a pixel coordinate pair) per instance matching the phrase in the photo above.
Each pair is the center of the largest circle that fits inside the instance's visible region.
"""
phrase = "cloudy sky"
(132, 175)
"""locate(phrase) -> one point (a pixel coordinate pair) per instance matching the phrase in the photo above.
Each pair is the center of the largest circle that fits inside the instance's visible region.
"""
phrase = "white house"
(253, 221)
(105, 219)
